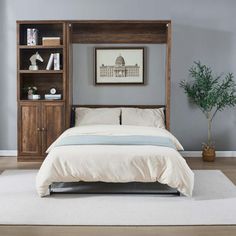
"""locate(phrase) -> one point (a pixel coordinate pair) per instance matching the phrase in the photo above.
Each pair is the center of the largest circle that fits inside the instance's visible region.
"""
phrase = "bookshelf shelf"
(40, 47)
(40, 71)
(42, 100)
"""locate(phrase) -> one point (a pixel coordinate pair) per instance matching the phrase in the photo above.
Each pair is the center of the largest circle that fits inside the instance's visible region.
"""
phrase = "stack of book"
(52, 96)
(54, 60)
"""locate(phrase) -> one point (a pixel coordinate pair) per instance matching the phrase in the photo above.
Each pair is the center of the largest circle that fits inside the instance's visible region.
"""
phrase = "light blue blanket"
(115, 140)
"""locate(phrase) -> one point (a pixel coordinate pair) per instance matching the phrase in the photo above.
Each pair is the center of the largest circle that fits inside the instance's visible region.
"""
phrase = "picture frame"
(119, 65)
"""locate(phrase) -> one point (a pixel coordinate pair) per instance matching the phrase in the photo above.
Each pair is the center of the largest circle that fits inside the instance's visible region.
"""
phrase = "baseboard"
(199, 153)
(13, 153)
(8, 153)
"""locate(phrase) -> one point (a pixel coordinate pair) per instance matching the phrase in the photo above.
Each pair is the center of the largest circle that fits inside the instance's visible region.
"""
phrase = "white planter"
(34, 97)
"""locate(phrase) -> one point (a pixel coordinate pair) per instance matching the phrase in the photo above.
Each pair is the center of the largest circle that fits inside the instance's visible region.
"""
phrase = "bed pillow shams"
(143, 117)
(97, 116)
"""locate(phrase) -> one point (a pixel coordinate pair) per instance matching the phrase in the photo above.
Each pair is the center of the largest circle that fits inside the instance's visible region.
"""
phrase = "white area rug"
(213, 202)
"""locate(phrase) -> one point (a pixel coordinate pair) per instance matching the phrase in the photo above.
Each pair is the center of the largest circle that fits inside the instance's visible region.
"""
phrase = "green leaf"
(209, 92)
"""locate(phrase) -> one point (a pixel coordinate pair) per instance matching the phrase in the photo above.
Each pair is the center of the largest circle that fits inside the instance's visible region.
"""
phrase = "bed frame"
(121, 32)
(112, 188)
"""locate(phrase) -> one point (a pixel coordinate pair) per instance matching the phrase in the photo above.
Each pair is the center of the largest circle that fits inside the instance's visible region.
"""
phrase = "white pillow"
(97, 116)
(143, 117)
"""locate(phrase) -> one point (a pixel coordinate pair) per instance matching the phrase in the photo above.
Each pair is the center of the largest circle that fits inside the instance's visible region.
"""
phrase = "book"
(52, 96)
(50, 62)
(56, 61)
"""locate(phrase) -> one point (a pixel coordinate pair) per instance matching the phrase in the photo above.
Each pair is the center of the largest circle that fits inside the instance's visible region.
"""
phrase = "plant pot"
(208, 153)
(33, 97)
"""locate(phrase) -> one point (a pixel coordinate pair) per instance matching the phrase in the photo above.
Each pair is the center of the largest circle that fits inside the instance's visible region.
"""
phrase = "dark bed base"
(112, 188)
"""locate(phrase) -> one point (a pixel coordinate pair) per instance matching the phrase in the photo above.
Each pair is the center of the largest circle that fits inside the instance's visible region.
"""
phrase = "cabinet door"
(53, 123)
(29, 129)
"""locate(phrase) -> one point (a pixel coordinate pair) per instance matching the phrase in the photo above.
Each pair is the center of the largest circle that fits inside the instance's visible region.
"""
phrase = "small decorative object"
(51, 41)
(33, 60)
(52, 95)
(53, 91)
(31, 91)
(211, 95)
(119, 65)
(32, 37)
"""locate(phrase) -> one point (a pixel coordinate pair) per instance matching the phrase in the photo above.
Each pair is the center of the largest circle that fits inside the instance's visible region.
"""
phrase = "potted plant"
(211, 94)
(32, 92)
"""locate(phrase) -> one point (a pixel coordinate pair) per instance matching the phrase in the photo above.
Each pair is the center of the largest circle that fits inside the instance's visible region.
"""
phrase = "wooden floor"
(227, 165)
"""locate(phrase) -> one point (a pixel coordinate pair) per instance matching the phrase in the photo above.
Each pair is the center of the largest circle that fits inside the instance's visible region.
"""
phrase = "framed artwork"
(119, 65)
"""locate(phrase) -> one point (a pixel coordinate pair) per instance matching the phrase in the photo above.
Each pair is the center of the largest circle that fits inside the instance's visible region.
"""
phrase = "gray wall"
(202, 30)
(84, 91)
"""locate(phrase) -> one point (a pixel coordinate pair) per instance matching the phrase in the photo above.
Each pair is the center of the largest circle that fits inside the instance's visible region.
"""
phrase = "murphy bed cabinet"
(40, 121)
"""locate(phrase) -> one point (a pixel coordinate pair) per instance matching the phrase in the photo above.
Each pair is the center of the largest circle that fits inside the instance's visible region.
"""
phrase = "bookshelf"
(40, 121)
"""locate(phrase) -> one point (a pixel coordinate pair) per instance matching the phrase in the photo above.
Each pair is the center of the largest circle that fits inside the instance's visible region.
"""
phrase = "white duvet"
(115, 163)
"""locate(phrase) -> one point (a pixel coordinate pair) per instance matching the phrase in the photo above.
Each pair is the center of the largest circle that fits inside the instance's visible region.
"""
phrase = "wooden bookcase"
(40, 122)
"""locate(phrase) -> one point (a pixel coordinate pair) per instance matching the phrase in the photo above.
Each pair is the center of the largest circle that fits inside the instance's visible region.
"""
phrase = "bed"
(116, 146)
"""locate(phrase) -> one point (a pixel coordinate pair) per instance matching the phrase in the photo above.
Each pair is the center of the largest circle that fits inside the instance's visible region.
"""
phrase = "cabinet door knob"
(43, 129)
(38, 129)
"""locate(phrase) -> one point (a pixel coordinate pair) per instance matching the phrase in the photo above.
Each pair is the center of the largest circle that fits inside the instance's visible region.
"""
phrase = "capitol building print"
(120, 69)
